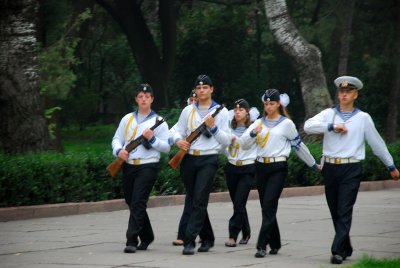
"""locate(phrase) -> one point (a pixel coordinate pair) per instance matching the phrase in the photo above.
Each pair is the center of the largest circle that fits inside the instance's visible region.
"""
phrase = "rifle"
(175, 161)
(116, 165)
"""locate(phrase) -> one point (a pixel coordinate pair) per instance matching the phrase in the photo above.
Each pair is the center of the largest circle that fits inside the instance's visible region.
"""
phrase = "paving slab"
(97, 239)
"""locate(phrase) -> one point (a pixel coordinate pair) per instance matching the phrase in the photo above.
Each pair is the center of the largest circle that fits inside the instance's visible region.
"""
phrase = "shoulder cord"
(127, 128)
(262, 141)
(233, 149)
(191, 119)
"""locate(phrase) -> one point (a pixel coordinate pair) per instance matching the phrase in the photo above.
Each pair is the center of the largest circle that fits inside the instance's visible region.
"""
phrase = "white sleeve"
(297, 144)
(161, 135)
(376, 142)
(118, 141)
(222, 135)
(317, 124)
(181, 125)
(247, 140)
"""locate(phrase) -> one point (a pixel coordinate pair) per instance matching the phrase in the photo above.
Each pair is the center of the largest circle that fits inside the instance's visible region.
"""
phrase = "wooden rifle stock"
(175, 161)
(116, 165)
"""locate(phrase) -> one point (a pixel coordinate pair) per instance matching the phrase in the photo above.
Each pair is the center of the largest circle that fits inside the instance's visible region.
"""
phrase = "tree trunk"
(394, 99)
(306, 57)
(154, 68)
(22, 124)
(345, 19)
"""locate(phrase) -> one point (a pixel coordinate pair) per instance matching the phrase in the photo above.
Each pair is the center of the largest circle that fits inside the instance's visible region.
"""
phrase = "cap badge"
(344, 84)
(201, 83)
(237, 106)
(144, 88)
(268, 99)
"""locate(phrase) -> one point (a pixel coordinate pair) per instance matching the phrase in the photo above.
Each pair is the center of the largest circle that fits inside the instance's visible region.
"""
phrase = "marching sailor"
(240, 171)
(275, 134)
(142, 165)
(345, 129)
(199, 166)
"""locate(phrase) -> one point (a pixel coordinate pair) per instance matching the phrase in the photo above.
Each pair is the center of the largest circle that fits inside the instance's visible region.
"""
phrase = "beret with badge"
(273, 94)
(242, 103)
(203, 80)
(146, 88)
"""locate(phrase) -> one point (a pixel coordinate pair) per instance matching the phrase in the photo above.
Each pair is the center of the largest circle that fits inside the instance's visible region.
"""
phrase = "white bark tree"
(306, 57)
(22, 124)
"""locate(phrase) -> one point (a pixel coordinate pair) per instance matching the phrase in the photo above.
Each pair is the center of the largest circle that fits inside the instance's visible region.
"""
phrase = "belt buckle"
(136, 161)
(266, 160)
(196, 152)
(239, 163)
(338, 161)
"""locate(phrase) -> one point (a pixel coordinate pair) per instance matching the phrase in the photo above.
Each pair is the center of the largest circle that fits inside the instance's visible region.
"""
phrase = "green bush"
(44, 178)
(56, 178)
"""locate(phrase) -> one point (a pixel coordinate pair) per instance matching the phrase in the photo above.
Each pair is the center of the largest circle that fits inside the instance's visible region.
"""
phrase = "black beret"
(241, 103)
(271, 95)
(144, 88)
(203, 80)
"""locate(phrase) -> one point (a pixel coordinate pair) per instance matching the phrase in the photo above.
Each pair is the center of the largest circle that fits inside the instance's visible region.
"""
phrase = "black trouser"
(270, 181)
(341, 188)
(239, 180)
(137, 184)
(187, 211)
(198, 176)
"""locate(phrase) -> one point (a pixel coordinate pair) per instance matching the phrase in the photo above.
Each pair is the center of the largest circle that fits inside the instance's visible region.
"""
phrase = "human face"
(192, 100)
(240, 115)
(203, 92)
(347, 96)
(272, 108)
(144, 100)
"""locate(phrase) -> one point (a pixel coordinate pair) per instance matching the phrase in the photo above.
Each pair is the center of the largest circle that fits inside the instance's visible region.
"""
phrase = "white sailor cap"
(348, 82)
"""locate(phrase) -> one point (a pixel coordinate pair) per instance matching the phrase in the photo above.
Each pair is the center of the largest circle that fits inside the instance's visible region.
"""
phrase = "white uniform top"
(190, 119)
(236, 152)
(277, 140)
(360, 128)
(172, 133)
(129, 129)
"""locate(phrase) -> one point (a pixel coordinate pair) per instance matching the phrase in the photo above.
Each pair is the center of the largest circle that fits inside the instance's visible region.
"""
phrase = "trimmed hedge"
(45, 178)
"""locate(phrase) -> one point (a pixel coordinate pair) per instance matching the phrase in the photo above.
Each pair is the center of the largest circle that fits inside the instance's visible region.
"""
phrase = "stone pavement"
(97, 239)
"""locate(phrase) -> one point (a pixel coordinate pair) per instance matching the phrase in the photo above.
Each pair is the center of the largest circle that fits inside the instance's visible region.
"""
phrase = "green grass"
(96, 138)
(369, 262)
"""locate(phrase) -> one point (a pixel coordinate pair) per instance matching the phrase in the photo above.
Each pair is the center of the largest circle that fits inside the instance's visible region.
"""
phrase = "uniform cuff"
(330, 127)
(214, 130)
(152, 140)
(391, 168)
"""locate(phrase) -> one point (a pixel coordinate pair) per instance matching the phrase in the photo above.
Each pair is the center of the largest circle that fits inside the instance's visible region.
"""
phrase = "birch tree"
(22, 124)
(306, 58)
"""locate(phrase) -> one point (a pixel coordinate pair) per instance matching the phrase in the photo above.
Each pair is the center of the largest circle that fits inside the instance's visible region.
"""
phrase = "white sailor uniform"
(341, 170)
(140, 171)
(240, 174)
(199, 166)
(274, 144)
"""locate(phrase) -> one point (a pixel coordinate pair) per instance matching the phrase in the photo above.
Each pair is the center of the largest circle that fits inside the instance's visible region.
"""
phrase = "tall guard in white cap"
(345, 129)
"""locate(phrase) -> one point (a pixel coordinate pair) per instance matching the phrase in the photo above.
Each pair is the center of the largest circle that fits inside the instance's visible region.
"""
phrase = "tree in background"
(344, 14)
(306, 57)
(393, 116)
(154, 60)
(22, 124)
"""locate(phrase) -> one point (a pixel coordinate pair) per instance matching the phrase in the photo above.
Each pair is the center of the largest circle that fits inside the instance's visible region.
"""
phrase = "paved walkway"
(97, 239)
